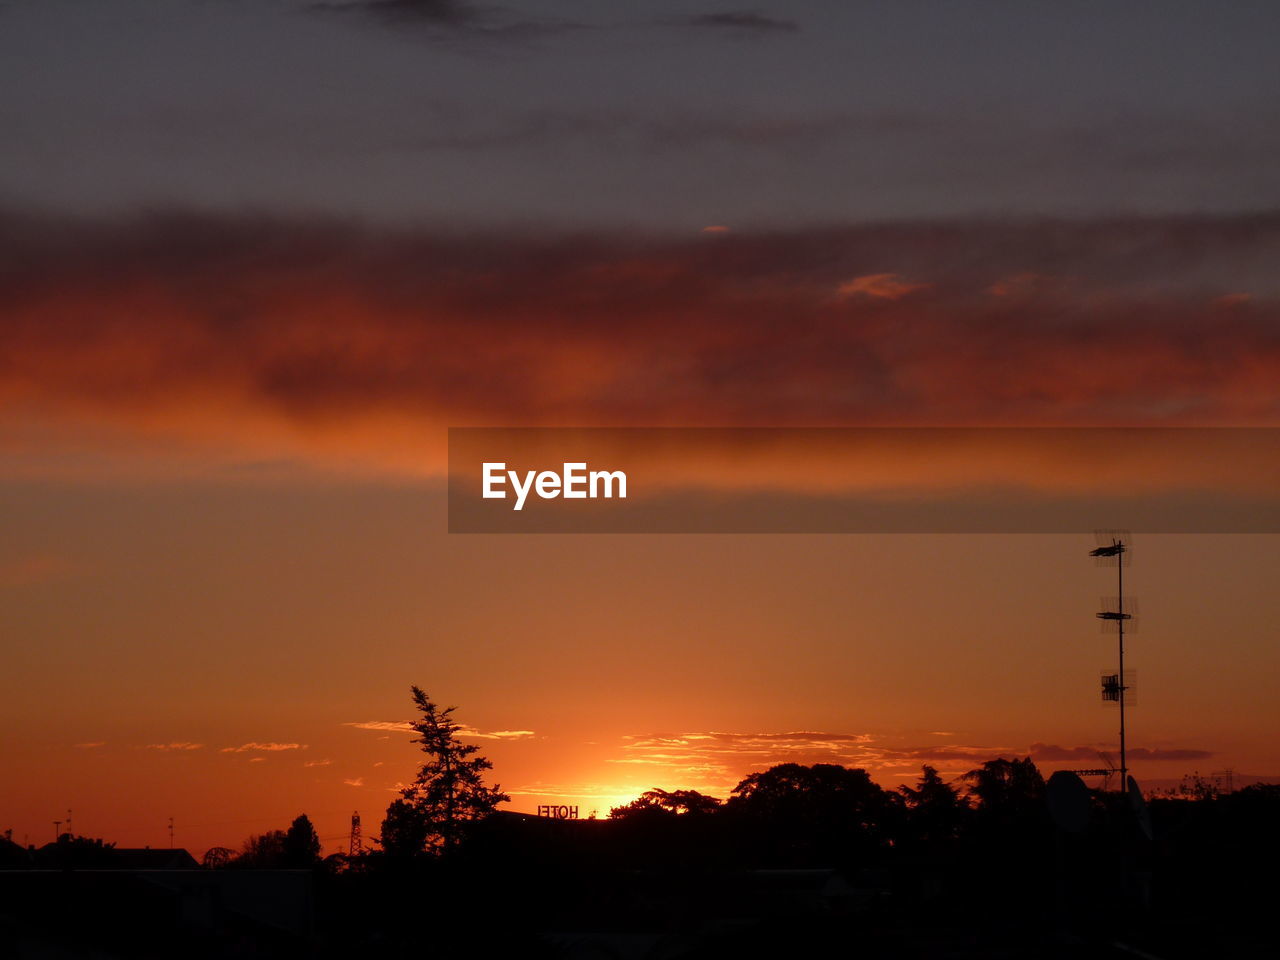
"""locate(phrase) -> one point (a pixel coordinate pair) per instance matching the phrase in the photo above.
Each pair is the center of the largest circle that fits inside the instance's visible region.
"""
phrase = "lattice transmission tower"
(355, 845)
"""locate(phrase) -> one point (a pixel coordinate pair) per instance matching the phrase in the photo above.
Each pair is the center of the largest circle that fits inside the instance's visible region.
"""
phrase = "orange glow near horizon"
(589, 669)
(225, 558)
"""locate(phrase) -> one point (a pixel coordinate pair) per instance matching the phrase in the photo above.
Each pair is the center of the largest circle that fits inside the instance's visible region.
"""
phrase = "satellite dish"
(1139, 804)
(1069, 802)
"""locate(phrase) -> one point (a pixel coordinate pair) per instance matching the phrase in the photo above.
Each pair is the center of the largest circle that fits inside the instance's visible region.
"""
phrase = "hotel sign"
(561, 812)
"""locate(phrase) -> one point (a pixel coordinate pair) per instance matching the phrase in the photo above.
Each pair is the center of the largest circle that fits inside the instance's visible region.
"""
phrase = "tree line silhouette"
(794, 855)
(980, 853)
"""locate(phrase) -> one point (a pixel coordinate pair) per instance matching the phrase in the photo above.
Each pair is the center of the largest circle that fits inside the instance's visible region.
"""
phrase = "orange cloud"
(466, 731)
(197, 337)
(463, 730)
(885, 286)
(255, 747)
(717, 760)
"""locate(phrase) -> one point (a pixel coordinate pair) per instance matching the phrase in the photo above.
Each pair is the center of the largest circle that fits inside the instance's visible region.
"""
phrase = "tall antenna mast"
(355, 847)
(1115, 687)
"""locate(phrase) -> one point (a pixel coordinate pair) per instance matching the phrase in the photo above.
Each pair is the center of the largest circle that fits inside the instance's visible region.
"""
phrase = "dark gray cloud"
(461, 14)
(743, 21)
(446, 13)
(456, 18)
(1030, 111)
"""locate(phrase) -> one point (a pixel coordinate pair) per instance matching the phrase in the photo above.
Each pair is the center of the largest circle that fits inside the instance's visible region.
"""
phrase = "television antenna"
(1106, 772)
(1115, 547)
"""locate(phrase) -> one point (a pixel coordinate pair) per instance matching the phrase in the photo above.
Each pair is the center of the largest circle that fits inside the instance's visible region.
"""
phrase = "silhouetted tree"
(216, 858)
(823, 790)
(1194, 787)
(404, 830)
(301, 844)
(262, 852)
(825, 812)
(658, 802)
(1011, 825)
(448, 793)
(1008, 788)
(935, 808)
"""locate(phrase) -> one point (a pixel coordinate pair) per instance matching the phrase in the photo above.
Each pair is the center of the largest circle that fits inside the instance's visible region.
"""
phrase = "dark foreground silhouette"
(800, 861)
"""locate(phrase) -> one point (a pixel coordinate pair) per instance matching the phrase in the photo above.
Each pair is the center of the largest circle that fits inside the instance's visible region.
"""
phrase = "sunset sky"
(256, 258)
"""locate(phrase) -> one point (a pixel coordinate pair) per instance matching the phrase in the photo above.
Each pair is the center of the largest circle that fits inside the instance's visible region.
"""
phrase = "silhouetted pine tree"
(936, 810)
(448, 793)
(301, 844)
